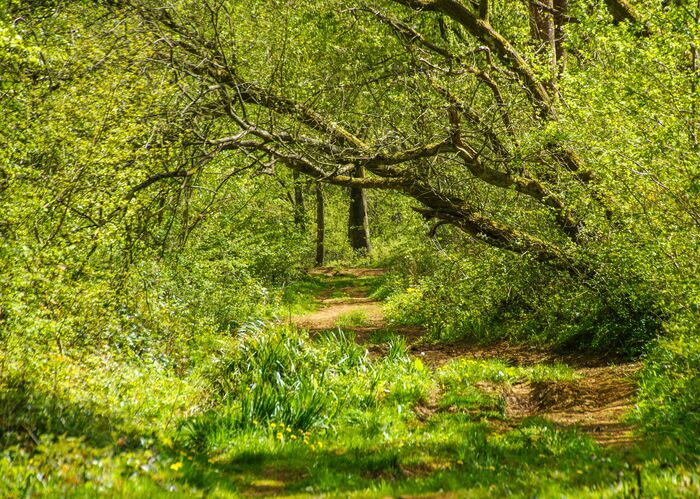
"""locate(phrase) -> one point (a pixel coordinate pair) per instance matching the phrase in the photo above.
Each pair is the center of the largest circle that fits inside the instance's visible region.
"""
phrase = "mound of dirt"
(596, 403)
(562, 395)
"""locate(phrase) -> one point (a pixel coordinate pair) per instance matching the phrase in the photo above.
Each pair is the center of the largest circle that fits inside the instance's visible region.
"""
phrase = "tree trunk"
(561, 13)
(320, 226)
(622, 10)
(694, 70)
(484, 10)
(542, 29)
(358, 221)
(299, 208)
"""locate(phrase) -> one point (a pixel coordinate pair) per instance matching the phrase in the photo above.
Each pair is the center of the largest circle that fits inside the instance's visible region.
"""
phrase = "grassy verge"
(270, 410)
(280, 413)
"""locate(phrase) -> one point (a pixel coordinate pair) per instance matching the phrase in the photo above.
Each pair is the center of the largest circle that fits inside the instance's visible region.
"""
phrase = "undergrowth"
(268, 408)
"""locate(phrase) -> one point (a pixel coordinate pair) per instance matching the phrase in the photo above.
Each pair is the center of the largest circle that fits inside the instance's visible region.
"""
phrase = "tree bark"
(358, 221)
(484, 10)
(320, 226)
(622, 10)
(542, 30)
(299, 208)
(561, 17)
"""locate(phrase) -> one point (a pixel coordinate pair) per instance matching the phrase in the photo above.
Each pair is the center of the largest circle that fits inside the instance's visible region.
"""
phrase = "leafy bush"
(406, 308)
(488, 296)
(668, 406)
(98, 398)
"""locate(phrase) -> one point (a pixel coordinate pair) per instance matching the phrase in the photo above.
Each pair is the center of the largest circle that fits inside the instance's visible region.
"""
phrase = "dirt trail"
(595, 402)
(354, 299)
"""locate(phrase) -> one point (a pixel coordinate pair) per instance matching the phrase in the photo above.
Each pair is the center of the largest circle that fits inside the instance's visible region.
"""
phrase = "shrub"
(668, 407)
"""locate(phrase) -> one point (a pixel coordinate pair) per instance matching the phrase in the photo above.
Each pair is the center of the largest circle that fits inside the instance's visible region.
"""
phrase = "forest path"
(595, 402)
(346, 295)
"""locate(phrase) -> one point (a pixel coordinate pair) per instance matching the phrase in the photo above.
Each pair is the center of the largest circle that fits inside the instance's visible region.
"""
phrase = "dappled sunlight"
(398, 248)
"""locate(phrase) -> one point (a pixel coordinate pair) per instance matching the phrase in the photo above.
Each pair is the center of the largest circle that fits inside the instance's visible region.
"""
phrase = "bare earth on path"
(596, 402)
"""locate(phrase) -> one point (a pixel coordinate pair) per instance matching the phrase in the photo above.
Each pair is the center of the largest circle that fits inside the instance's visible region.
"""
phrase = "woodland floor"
(594, 403)
(414, 417)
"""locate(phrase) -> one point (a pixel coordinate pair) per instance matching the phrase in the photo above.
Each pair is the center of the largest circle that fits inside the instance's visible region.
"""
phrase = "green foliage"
(356, 318)
(397, 349)
(464, 372)
(140, 353)
(97, 398)
(276, 375)
(406, 308)
(669, 391)
(488, 297)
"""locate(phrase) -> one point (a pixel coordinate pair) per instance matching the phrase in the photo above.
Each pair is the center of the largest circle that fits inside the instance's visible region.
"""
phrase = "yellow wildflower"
(176, 466)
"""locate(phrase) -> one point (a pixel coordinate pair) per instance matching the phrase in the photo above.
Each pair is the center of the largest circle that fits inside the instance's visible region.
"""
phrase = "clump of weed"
(381, 336)
(354, 318)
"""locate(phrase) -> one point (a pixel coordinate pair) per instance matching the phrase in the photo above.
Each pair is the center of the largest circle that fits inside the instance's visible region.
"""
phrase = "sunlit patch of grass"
(300, 297)
(472, 400)
(381, 336)
(538, 373)
(353, 318)
(465, 371)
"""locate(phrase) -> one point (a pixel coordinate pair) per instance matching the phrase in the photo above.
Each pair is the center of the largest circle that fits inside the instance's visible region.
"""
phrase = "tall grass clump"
(272, 374)
(276, 376)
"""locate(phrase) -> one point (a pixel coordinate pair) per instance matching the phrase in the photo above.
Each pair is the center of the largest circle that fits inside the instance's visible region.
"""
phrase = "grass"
(274, 411)
(466, 371)
(381, 336)
(364, 438)
(354, 318)
(300, 297)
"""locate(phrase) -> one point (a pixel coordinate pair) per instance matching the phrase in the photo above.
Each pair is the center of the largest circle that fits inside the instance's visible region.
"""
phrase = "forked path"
(596, 402)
